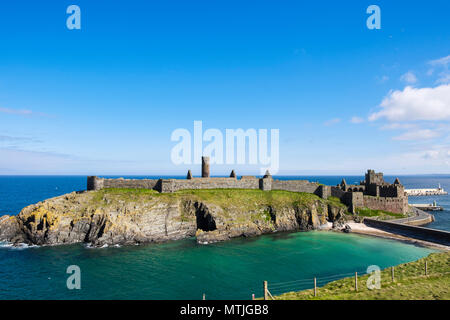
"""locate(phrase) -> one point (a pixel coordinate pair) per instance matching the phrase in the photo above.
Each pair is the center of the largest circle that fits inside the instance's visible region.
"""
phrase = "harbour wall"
(426, 192)
(411, 231)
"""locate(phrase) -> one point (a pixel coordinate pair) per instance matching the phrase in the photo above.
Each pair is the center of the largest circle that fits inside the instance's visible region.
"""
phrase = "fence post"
(426, 267)
(392, 274)
(266, 296)
(315, 287)
(356, 281)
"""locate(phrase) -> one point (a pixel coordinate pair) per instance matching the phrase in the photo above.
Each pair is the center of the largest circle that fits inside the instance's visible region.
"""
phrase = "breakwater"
(401, 227)
(426, 192)
(428, 207)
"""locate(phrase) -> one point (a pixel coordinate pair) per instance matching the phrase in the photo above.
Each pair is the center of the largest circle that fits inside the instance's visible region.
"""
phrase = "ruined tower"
(374, 178)
(205, 167)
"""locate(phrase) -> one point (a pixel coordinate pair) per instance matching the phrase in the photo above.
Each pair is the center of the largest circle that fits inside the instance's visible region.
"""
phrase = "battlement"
(377, 194)
(374, 193)
(207, 182)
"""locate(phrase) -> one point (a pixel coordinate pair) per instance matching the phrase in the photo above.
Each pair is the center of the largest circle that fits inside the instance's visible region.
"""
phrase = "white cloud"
(431, 154)
(413, 104)
(396, 126)
(23, 112)
(382, 79)
(14, 142)
(409, 77)
(436, 152)
(442, 64)
(444, 77)
(445, 61)
(332, 122)
(14, 111)
(356, 120)
(423, 134)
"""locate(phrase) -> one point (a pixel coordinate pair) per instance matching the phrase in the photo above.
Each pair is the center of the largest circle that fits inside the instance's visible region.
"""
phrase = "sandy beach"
(361, 228)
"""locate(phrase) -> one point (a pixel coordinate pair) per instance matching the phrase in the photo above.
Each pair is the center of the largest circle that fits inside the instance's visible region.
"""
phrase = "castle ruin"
(373, 192)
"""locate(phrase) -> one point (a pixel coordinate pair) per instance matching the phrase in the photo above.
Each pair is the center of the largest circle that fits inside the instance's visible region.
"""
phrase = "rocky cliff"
(127, 216)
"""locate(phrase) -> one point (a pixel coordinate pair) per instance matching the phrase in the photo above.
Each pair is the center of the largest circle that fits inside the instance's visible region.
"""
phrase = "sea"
(186, 270)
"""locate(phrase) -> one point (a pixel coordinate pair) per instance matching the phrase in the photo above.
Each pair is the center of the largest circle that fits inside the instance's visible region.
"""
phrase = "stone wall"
(96, 183)
(393, 201)
(323, 191)
(397, 205)
(392, 191)
(353, 200)
(265, 183)
(247, 182)
(337, 192)
(172, 185)
(374, 178)
(356, 188)
(130, 183)
(295, 185)
(426, 234)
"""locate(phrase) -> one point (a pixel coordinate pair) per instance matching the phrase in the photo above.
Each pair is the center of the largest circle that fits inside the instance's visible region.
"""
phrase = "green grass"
(250, 204)
(244, 198)
(410, 283)
(334, 199)
(383, 215)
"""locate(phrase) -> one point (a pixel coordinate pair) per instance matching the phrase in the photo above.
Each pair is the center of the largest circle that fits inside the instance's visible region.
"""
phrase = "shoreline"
(356, 228)
(361, 228)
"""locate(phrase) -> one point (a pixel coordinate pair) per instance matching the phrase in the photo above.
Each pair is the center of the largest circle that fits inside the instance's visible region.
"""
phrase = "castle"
(373, 193)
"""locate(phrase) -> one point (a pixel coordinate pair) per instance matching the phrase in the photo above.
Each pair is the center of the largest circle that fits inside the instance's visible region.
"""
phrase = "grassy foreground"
(410, 283)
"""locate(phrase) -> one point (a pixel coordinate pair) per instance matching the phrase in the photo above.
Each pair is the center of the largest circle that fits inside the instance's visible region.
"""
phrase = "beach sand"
(361, 228)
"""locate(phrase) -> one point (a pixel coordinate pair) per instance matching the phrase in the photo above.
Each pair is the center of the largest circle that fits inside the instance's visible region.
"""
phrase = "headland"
(135, 211)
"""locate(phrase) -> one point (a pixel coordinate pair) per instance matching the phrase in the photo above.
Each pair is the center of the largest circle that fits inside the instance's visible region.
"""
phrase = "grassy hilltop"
(244, 199)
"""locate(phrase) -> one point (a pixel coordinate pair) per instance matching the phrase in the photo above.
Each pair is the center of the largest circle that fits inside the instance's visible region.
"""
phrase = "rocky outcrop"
(110, 217)
(10, 229)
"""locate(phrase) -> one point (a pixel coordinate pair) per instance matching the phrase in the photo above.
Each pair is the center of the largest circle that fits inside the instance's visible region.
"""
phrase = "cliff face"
(124, 216)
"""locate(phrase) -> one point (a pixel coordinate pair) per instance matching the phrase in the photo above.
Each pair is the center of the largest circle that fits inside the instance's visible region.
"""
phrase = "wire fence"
(392, 274)
(278, 288)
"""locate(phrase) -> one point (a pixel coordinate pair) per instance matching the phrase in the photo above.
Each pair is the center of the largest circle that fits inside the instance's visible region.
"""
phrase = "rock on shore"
(124, 216)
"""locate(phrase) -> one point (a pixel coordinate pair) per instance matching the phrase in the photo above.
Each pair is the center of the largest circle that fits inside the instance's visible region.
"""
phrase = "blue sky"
(105, 99)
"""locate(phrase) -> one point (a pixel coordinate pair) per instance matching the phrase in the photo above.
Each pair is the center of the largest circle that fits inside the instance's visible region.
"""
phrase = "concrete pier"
(426, 192)
(428, 207)
(411, 231)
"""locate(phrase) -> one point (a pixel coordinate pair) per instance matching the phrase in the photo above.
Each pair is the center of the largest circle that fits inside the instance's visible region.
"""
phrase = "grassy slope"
(384, 215)
(248, 202)
(410, 283)
(240, 198)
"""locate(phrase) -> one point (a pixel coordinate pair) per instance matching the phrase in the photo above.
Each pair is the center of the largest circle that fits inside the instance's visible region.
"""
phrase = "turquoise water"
(185, 270)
